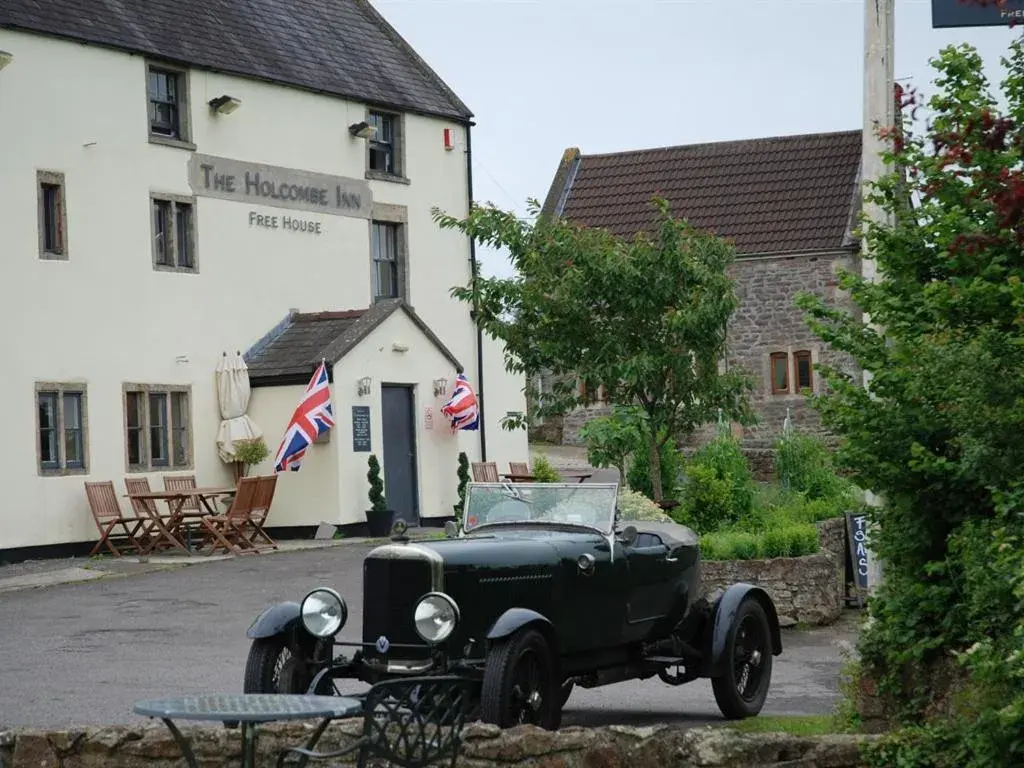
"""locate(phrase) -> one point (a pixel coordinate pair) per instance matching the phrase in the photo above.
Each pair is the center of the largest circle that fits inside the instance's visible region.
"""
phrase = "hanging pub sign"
(976, 13)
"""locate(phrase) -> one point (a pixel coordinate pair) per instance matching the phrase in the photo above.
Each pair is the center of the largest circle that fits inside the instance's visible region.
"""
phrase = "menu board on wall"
(361, 428)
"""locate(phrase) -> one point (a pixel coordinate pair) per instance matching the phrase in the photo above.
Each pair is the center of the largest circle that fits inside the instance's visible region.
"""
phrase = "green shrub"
(792, 540)
(723, 454)
(804, 464)
(635, 506)
(639, 474)
(708, 502)
(543, 471)
(612, 439)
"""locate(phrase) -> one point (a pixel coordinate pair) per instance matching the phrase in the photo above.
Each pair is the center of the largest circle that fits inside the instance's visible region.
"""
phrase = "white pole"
(879, 112)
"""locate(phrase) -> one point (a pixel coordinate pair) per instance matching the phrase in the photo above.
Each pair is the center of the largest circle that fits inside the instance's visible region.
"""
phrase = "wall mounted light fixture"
(363, 130)
(224, 105)
(5, 58)
(440, 386)
(363, 385)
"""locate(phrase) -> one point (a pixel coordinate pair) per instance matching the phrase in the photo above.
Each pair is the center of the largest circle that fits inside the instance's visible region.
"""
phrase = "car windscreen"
(590, 505)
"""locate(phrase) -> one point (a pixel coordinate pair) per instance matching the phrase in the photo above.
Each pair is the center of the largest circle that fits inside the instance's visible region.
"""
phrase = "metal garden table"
(249, 710)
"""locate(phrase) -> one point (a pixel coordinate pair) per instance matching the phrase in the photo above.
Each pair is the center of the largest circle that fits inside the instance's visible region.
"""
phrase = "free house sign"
(228, 179)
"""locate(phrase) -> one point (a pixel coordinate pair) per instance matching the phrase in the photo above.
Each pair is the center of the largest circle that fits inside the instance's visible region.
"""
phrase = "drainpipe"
(479, 332)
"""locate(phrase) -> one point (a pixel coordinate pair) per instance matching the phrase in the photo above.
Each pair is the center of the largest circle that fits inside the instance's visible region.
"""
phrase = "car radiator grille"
(391, 589)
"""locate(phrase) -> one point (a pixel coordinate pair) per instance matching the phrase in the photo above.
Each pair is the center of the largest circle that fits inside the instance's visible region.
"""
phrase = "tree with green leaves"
(937, 432)
(645, 317)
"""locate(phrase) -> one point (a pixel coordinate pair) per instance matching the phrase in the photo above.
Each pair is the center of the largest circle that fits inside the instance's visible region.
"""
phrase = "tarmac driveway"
(82, 654)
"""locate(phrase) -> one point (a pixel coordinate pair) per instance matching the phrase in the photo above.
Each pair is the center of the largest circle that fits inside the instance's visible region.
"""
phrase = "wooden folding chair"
(519, 468)
(261, 509)
(183, 483)
(106, 511)
(228, 530)
(485, 472)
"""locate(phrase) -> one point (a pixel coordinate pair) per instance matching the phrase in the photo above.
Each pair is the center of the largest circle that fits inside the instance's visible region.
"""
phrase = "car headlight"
(435, 617)
(323, 612)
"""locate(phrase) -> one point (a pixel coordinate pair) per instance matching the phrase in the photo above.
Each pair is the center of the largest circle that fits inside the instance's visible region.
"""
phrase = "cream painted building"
(175, 191)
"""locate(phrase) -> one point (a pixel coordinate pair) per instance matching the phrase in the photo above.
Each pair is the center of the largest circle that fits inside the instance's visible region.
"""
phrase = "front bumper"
(370, 665)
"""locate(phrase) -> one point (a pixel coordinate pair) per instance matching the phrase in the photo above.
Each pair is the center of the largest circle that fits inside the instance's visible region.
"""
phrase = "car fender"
(274, 620)
(725, 613)
(515, 619)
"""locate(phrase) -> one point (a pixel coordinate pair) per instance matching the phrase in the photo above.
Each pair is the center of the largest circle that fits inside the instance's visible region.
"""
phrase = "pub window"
(384, 147)
(157, 428)
(780, 373)
(168, 103)
(52, 215)
(802, 374)
(384, 242)
(61, 424)
(174, 233)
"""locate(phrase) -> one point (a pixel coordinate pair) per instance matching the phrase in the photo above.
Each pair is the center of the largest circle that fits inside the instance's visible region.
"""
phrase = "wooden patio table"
(175, 501)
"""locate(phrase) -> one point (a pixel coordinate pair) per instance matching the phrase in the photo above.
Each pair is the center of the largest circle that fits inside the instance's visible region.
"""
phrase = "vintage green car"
(542, 588)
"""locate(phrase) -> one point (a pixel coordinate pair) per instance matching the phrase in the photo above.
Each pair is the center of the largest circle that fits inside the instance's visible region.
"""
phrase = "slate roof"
(340, 47)
(774, 195)
(290, 353)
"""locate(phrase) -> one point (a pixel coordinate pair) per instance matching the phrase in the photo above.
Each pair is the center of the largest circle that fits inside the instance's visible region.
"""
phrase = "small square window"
(174, 233)
(61, 425)
(167, 103)
(780, 373)
(382, 145)
(52, 215)
(158, 427)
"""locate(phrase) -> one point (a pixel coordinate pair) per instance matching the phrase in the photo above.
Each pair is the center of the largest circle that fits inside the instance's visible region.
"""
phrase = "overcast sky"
(613, 75)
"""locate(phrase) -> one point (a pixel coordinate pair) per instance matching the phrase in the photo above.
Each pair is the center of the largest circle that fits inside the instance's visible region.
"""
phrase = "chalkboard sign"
(857, 530)
(958, 13)
(361, 428)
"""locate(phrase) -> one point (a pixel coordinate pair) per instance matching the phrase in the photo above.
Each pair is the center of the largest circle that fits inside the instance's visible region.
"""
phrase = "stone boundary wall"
(809, 589)
(150, 745)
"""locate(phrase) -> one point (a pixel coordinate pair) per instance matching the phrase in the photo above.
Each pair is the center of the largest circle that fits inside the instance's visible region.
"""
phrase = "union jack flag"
(313, 417)
(462, 409)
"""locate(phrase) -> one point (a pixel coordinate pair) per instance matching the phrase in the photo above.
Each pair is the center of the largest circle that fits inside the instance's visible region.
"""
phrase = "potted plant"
(463, 475)
(378, 516)
(247, 454)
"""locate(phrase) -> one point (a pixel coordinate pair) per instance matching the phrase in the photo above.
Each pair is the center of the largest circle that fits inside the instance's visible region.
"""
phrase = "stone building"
(788, 204)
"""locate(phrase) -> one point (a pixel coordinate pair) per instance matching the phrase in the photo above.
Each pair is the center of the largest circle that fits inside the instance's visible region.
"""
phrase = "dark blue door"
(400, 452)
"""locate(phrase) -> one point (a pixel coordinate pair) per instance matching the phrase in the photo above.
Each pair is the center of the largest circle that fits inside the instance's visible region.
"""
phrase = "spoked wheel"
(519, 683)
(741, 690)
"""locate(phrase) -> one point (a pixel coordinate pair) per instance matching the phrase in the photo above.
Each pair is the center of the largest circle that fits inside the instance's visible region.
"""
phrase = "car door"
(592, 602)
(650, 577)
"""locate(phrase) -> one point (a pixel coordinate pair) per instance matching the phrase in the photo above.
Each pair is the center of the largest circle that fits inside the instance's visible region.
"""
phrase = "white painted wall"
(331, 485)
(106, 317)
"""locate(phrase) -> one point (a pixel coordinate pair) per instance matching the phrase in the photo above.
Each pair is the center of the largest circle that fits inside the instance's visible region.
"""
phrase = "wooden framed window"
(167, 95)
(62, 445)
(384, 237)
(53, 221)
(158, 427)
(174, 233)
(803, 375)
(779, 372)
(385, 159)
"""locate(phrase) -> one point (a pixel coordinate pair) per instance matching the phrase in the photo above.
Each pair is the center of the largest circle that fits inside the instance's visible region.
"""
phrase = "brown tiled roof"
(341, 47)
(774, 195)
(291, 352)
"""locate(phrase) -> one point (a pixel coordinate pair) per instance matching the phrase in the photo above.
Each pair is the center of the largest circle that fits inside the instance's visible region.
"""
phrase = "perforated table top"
(250, 707)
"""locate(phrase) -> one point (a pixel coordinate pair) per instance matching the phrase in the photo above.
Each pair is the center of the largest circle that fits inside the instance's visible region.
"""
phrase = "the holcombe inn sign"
(242, 182)
(973, 13)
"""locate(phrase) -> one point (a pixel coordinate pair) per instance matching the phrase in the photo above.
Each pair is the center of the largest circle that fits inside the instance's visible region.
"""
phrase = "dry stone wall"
(485, 746)
(810, 589)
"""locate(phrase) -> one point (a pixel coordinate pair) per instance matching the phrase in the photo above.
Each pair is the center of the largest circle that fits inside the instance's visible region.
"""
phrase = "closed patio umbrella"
(233, 393)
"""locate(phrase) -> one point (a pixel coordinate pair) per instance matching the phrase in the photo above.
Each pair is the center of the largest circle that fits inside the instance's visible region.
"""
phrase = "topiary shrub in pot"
(378, 516)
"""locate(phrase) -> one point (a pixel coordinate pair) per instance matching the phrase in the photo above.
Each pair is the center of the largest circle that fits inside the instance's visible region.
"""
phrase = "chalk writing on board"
(857, 526)
(361, 428)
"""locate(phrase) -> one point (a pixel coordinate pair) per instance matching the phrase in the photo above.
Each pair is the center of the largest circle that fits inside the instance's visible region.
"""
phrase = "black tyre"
(519, 683)
(271, 668)
(741, 690)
